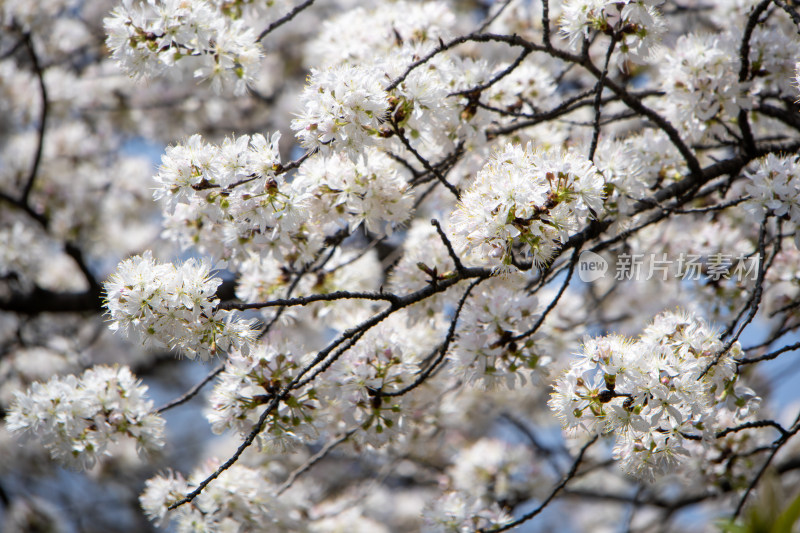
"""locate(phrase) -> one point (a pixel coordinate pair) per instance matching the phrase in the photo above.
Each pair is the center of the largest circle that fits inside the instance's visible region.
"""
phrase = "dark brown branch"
(598, 98)
(442, 349)
(771, 355)
(28, 210)
(448, 245)
(572, 262)
(744, 71)
(567, 106)
(348, 336)
(37, 159)
(46, 301)
(784, 438)
(751, 306)
(754, 424)
(791, 11)
(425, 162)
(305, 300)
(787, 116)
(624, 498)
(476, 37)
(546, 24)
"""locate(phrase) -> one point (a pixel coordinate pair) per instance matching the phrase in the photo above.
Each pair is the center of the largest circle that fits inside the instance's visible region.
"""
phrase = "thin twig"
(317, 457)
(554, 302)
(492, 18)
(754, 424)
(546, 24)
(191, 393)
(448, 244)
(442, 349)
(598, 97)
(744, 71)
(784, 438)
(284, 19)
(426, 163)
(752, 304)
(771, 355)
(499, 76)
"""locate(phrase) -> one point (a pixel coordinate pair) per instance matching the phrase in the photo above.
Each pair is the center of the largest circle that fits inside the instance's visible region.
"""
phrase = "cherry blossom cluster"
(352, 397)
(344, 193)
(149, 37)
(173, 306)
(527, 197)
(773, 55)
(654, 393)
(233, 199)
(342, 37)
(774, 187)
(530, 85)
(635, 164)
(380, 363)
(76, 418)
(457, 511)
(637, 25)
(240, 500)
(494, 470)
(433, 107)
(487, 351)
(425, 107)
(248, 383)
(342, 104)
(624, 171)
(346, 108)
(220, 198)
(700, 76)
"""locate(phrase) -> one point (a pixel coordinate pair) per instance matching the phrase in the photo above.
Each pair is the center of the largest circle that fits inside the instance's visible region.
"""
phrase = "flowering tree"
(435, 266)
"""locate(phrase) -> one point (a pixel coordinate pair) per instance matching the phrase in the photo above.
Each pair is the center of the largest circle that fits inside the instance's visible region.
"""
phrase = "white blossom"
(343, 105)
(774, 186)
(653, 393)
(164, 305)
(241, 500)
(380, 363)
(700, 76)
(487, 352)
(526, 197)
(637, 24)
(248, 383)
(456, 512)
(233, 198)
(147, 38)
(76, 418)
(346, 193)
